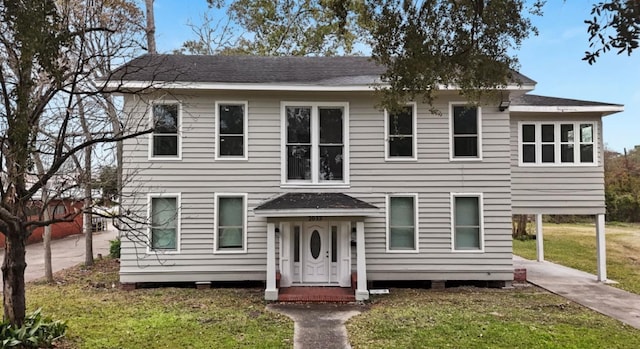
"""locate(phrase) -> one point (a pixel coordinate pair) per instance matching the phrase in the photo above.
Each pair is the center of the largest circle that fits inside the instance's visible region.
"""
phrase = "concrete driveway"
(583, 288)
(65, 253)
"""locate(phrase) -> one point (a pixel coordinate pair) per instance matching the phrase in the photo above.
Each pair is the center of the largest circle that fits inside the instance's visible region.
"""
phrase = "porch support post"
(539, 238)
(271, 293)
(361, 291)
(601, 248)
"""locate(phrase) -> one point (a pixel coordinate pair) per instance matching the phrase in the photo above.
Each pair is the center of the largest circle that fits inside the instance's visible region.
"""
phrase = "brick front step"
(316, 295)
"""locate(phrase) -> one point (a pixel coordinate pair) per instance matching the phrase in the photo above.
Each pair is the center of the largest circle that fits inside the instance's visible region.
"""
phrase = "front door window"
(316, 264)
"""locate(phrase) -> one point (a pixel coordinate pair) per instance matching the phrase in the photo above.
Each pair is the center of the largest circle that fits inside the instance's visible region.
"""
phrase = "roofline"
(117, 85)
(604, 109)
(305, 212)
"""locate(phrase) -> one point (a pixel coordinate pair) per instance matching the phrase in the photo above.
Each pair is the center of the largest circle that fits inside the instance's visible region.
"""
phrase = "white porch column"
(361, 291)
(601, 248)
(285, 255)
(271, 293)
(539, 238)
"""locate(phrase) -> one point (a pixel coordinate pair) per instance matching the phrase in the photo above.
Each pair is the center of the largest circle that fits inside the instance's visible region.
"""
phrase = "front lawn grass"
(574, 246)
(102, 316)
(484, 318)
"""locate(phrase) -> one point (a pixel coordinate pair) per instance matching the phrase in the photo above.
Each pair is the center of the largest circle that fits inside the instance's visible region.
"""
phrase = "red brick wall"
(58, 230)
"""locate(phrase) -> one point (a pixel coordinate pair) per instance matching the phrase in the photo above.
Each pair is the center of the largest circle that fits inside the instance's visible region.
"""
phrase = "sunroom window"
(551, 143)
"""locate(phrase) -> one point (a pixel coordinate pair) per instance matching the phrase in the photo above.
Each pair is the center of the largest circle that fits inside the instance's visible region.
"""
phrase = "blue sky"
(553, 59)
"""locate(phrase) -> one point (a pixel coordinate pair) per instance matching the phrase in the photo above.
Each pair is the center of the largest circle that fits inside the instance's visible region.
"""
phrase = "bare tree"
(151, 27)
(44, 69)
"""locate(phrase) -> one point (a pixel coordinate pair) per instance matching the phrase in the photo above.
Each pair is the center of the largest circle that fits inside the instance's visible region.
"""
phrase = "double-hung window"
(402, 223)
(231, 222)
(467, 221)
(557, 143)
(164, 220)
(165, 139)
(315, 149)
(400, 128)
(466, 138)
(231, 130)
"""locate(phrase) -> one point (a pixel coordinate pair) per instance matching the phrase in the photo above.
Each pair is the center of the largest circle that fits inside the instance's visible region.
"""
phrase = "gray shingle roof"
(536, 100)
(257, 70)
(318, 201)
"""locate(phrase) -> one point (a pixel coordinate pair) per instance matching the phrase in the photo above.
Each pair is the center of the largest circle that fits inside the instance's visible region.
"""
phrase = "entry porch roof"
(314, 204)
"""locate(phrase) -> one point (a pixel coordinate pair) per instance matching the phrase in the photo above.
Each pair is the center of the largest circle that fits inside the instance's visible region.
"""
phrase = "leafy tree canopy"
(287, 27)
(615, 26)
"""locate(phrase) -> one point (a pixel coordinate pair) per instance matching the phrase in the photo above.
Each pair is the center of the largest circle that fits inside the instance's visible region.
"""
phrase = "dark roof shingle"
(536, 100)
(318, 201)
(338, 70)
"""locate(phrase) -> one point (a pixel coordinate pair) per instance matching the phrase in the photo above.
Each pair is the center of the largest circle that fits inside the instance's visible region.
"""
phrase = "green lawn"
(106, 317)
(574, 245)
(484, 318)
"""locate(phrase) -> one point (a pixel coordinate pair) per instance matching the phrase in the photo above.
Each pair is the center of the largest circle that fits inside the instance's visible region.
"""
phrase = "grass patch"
(484, 318)
(102, 316)
(574, 245)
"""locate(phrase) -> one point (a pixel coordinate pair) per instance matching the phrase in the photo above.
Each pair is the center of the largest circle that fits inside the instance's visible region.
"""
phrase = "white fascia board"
(305, 212)
(115, 85)
(605, 109)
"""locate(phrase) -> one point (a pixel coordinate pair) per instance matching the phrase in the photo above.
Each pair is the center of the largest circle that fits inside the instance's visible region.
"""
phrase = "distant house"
(282, 167)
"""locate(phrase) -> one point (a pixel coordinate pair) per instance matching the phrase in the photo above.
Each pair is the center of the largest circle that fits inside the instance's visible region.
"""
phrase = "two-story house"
(265, 166)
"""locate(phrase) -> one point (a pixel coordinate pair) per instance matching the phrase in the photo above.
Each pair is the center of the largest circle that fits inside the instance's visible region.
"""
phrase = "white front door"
(316, 248)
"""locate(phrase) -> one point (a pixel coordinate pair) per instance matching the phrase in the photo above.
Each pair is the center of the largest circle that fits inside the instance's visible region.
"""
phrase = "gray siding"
(557, 189)
(433, 177)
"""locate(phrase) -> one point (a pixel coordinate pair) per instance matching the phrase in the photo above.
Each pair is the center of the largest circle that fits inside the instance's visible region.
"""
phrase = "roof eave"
(137, 85)
(317, 212)
(604, 109)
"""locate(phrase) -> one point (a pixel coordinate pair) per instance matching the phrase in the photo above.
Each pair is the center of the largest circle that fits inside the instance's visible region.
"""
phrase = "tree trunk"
(88, 231)
(519, 225)
(151, 28)
(13, 268)
(46, 239)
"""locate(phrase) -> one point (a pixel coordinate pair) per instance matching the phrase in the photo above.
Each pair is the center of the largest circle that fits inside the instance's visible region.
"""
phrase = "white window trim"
(557, 142)
(480, 197)
(284, 183)
(452, 156)
(217, 196)
(151, 125)
(245, 121)
(416, 234)
(414, 116)
(178, 198)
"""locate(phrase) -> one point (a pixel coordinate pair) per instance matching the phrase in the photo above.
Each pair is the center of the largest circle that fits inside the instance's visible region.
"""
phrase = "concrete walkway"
(65, 253)
(319, 325)
(583, 288)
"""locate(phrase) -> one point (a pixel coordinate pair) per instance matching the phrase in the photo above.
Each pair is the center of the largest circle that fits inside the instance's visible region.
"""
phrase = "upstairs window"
(231, 130)
(401, 134)
(465, 132)
(165, 142)
(315, 143)
(557, 143)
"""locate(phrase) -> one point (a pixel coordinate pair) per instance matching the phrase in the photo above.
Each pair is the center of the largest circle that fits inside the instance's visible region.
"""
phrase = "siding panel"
(197, 176)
